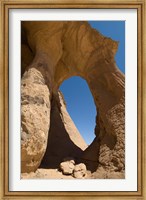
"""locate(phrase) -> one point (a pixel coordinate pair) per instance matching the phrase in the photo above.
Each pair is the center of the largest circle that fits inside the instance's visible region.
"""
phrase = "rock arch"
(51, 53)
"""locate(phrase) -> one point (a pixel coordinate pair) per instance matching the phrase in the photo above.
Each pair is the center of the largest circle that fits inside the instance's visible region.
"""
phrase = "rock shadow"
(59, 144)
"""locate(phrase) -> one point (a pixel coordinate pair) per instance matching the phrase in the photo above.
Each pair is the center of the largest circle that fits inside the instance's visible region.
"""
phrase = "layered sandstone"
(51, 53)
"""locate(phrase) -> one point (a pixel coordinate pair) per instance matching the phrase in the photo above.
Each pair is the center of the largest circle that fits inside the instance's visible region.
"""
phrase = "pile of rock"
(68, 167)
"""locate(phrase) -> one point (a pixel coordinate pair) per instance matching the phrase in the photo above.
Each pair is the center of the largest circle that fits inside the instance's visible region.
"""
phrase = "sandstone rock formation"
(51, 53)
(35, 111)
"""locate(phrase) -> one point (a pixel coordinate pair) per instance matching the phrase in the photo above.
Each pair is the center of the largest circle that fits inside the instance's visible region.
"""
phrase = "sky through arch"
(80, 106)
(80, 103)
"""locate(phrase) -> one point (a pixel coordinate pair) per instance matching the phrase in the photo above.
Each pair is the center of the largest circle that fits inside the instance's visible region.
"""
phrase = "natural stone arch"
(60, 50)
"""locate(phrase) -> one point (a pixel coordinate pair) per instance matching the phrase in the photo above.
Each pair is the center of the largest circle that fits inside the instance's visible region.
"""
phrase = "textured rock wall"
(60, 50)
(35, 112)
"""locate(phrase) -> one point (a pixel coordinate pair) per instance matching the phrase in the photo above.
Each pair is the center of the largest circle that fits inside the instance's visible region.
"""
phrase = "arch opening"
(80, 106)
(72, 123)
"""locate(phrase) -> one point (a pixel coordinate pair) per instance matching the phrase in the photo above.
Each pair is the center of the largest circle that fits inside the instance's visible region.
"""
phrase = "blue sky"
(80, 103)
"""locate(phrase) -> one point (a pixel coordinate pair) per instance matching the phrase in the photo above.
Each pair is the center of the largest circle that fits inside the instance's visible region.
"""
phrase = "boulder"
(67, 167)
(80, 171)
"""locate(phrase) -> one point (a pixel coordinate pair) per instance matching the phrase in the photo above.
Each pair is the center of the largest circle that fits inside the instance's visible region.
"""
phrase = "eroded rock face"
(35, 111)
(60, 50)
